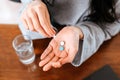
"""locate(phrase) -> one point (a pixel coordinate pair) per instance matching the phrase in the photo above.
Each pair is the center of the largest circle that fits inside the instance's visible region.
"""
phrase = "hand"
(53, 57)
(35, 17)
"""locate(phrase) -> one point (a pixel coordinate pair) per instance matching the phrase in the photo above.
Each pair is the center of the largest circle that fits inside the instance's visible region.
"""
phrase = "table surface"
(12, 69)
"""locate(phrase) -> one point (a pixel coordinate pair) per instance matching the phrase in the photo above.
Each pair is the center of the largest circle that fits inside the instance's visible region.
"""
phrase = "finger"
(50, 48)
(30, 23)
(51, 28)
(63, 54)
(48, 66)
(57, 51)
(36, 24)
(41, 16)
(70, 56)
(44, 22)
(57, 64)
(46, 52)
(46, 60)
(24, 23)
(64, 61)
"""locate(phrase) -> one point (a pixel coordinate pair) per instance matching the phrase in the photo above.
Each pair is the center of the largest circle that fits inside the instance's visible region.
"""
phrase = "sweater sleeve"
(94, 36)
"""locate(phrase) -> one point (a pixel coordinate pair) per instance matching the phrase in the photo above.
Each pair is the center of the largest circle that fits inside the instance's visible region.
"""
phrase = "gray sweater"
(70, 12)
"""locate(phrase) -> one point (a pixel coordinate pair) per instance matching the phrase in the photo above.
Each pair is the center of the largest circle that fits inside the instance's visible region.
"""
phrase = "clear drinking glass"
(23, 46)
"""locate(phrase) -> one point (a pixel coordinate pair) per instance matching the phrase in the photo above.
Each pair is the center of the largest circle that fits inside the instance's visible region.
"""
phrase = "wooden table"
(12, 69)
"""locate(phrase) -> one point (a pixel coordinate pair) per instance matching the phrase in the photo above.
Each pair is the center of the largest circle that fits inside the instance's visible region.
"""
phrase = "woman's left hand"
(53, 56)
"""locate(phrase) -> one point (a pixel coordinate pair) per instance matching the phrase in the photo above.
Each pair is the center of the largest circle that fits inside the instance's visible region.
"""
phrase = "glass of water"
(23, 46)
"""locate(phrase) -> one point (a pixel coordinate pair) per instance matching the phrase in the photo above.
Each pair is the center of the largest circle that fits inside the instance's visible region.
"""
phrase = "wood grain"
(12, 69)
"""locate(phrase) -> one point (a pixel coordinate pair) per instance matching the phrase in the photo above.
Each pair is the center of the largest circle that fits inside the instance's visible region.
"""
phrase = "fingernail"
(44, 69)
(40, 64)
(53, 64)
(41, 57)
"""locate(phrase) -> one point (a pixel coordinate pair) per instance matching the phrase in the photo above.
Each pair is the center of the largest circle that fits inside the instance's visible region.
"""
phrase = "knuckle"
(43, 23)
(50, 47)
(30, 9)
(41, 5)
(31, 14)
(31, 29)
(50, 56)
(23, 16)
(53, 42)
(37, 28)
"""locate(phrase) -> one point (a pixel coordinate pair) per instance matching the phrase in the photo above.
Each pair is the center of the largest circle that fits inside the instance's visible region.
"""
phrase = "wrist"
(79, 32)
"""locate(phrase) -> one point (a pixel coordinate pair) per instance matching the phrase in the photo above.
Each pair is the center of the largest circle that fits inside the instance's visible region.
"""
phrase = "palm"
(71, 40)
(53, 55)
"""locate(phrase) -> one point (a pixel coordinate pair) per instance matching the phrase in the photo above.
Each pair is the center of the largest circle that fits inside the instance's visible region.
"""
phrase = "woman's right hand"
(36, 17)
